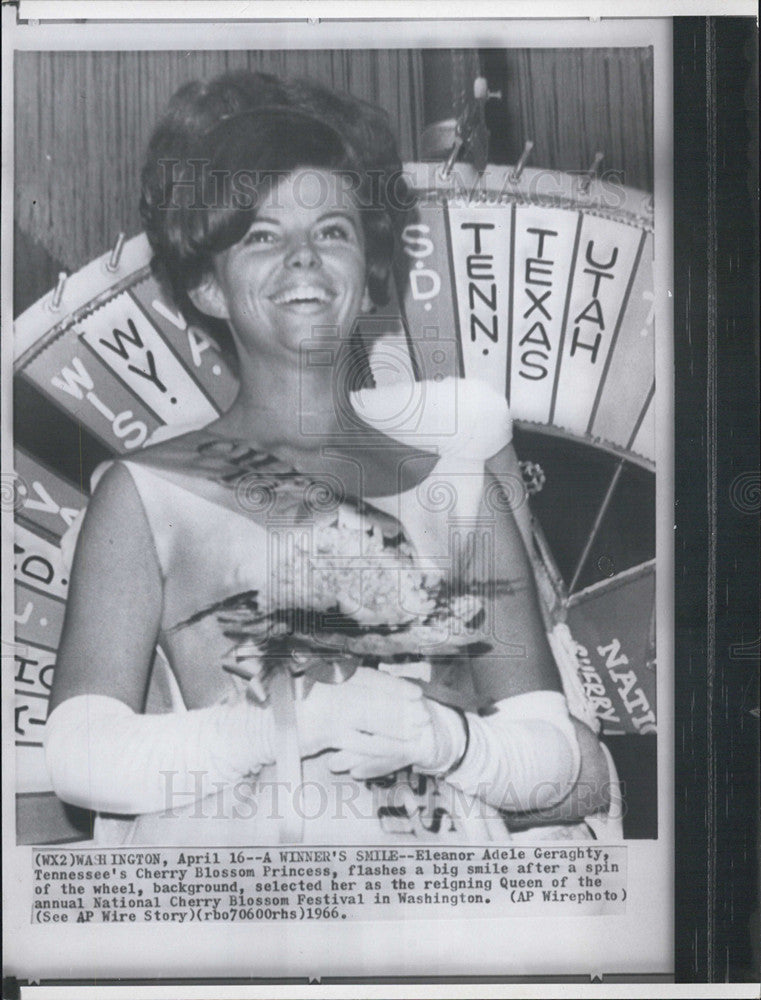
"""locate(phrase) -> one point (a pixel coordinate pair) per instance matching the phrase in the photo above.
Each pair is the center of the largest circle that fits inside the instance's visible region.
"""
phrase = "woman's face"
(299, 268)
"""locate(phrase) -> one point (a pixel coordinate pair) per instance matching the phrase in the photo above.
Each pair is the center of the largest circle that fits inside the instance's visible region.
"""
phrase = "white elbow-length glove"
(523, 757)
(102, 755)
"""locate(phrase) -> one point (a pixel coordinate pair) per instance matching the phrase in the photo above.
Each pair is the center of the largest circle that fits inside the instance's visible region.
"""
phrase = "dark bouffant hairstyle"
(221, 143)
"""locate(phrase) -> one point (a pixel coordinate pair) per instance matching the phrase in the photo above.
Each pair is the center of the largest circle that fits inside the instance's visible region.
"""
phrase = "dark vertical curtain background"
(573, 103)
(83, 119)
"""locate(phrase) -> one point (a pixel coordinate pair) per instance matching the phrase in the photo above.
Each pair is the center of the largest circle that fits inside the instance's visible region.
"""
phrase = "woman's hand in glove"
(370, 714)
(399, 727)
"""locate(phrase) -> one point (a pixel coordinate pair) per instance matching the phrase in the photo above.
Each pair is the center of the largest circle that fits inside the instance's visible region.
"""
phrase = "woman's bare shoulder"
(177, 447)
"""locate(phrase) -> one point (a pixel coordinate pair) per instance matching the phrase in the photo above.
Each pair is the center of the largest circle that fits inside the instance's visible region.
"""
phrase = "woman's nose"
(303, 254)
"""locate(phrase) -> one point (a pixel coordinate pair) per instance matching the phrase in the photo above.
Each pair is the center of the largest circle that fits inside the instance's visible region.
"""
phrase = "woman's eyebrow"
(331, 213)
(338, 213)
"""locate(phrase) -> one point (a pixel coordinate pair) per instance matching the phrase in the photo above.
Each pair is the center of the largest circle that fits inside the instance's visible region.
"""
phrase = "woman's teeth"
(304, 293)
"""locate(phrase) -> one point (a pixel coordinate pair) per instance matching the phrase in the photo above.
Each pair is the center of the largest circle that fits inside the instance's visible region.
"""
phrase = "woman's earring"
(208, 298)
(368, 305)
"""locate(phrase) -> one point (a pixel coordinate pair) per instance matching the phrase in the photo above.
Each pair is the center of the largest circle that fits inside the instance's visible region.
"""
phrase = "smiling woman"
(328, 634)
(301, 263)
(222, 148)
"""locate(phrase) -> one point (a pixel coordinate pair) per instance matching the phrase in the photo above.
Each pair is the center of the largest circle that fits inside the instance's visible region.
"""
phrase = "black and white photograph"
(362, 532)
(340, 479)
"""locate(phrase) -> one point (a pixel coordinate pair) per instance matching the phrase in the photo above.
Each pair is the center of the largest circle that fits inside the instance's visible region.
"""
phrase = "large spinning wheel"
(537, 281)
